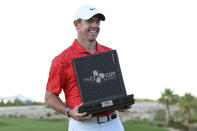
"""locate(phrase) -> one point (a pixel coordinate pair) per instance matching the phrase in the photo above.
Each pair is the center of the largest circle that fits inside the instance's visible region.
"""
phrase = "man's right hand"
(74, 113)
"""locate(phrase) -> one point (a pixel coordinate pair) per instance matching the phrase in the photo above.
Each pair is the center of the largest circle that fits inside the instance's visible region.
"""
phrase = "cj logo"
(98, 76)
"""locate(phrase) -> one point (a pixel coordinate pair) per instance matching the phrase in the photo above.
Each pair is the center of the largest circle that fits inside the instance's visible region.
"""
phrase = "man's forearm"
(53, 101)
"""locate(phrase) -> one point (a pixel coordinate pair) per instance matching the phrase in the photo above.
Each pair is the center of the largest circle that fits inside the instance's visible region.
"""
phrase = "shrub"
(160, 115)
(177, 115)
(178, 125)
(48, 114)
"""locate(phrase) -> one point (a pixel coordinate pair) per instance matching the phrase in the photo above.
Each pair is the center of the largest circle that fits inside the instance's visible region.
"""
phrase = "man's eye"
(90, 21)
(98, 21)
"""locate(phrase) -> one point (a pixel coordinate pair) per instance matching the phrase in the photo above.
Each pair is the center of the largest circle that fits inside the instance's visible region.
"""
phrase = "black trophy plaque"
(100, 82)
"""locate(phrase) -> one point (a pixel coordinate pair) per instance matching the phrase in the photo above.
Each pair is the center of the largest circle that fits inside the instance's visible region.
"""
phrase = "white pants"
(92, 125)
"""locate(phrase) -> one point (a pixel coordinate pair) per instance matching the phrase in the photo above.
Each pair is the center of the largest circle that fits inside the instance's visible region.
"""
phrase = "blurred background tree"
(187, 102)
(168, 98)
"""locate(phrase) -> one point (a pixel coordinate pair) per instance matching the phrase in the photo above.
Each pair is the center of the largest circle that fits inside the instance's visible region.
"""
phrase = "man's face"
(88, 30)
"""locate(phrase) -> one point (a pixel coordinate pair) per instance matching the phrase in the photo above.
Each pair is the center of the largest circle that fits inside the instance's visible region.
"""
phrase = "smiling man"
(62, 76)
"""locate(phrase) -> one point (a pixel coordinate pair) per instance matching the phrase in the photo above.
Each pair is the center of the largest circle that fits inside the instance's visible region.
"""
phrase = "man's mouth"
(93, 31)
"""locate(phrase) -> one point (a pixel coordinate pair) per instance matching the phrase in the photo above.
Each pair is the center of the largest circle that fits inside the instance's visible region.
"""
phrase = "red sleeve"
(57, 76)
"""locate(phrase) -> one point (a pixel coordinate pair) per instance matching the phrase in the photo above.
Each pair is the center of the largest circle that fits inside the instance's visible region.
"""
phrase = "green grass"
(24, 124)
(132, 125)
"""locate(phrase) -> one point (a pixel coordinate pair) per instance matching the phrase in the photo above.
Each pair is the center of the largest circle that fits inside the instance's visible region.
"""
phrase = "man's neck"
(89, 46)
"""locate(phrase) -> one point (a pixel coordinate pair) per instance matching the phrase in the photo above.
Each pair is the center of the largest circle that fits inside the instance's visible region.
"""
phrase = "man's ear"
(76, 23)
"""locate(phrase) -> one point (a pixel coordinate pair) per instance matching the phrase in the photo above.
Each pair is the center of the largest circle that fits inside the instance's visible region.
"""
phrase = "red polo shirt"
(62, 74)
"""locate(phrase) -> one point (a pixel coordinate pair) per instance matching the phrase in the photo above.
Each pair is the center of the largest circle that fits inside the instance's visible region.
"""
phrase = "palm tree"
(187, 102)
(168, 98)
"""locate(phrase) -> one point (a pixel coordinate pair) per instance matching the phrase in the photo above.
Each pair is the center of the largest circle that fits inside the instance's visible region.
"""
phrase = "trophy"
(101, 83)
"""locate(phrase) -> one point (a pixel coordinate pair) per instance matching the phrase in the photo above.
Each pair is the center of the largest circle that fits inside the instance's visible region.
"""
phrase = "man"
(62, 76)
